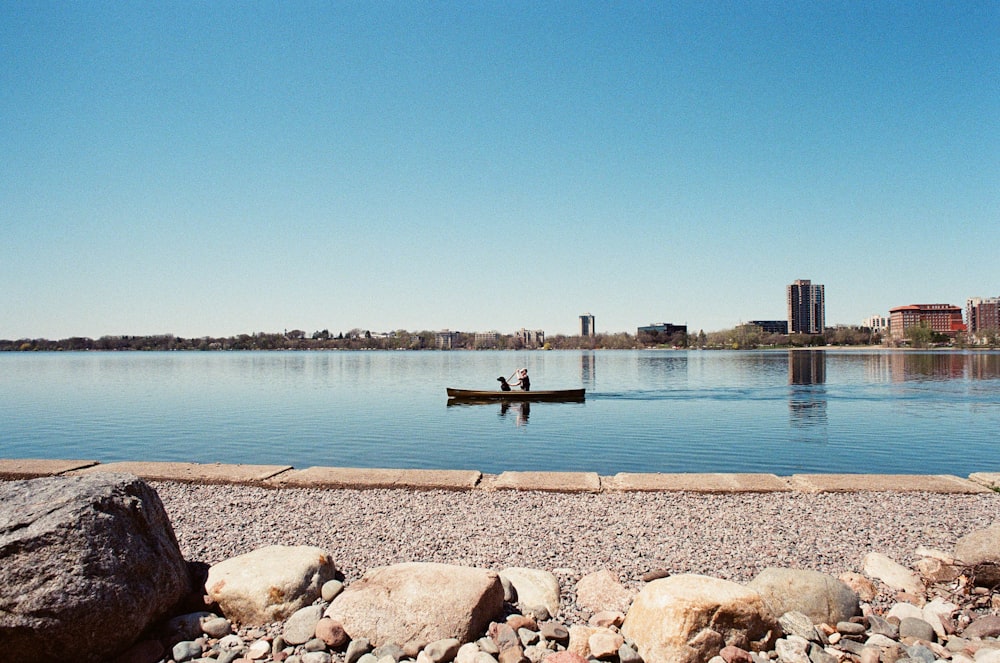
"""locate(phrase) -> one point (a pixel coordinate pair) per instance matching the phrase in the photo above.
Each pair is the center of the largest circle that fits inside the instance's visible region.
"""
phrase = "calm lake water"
(646, 411)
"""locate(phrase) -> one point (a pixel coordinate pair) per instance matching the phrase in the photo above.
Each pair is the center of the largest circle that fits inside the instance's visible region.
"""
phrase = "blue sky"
(223, 168)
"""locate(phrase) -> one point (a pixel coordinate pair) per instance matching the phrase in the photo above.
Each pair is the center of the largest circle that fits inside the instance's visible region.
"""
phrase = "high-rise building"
(587, 325)
(806, 307)
(982, 314)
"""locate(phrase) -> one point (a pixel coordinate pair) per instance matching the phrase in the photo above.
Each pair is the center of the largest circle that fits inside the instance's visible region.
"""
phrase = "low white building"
(877, 323)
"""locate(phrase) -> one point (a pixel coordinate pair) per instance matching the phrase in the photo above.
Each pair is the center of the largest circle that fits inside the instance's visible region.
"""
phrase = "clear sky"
(221, 168)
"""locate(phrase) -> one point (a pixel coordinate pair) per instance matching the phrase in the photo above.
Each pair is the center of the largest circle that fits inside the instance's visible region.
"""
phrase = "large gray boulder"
(824, 599)
(416, 603)
(269, 584)
(86, 565)
(690, 618)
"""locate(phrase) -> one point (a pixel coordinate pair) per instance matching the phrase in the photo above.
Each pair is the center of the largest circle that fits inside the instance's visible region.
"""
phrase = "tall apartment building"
(982, 315)
(530, 337)
(806, 307)
(941, 318)
(587, 325)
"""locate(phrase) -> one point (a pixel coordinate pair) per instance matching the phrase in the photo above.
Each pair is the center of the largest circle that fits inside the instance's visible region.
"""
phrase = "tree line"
(742, 337)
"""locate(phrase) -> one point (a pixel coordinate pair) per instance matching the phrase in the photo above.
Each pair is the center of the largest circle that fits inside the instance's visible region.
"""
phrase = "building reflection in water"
(927, 366)
(807, 393)
(588, 368)
(984, 366)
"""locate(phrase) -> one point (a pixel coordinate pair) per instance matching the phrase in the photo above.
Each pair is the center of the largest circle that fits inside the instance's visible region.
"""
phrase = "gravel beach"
(731, 536)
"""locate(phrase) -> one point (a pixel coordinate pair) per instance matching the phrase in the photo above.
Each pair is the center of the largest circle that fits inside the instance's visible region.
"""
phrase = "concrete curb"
(188, 472)
(356, 477)
(697, 482)
(285, 476)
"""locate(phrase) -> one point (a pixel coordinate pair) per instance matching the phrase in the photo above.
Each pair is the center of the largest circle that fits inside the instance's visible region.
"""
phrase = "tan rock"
(862, 586)
(467, 653)
(821, 597)
(416, 603)
(601, 591)
(579, 639)
(731, 654)
(979, 546)
(565, 657)
(606, 618)
(904, 610)
(534, 588)
(605, 643)
(869, 655)
(895, 575)
(517, 622)
(269, 584)
(935, 571)
(934, 553)
(937, 613)
(690, 618)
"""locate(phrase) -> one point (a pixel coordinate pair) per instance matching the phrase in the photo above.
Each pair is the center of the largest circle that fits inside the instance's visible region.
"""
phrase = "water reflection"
(588, 368)
(522, 413)
(923, 366)
(926, 366)
(807, 396)
(983, 366)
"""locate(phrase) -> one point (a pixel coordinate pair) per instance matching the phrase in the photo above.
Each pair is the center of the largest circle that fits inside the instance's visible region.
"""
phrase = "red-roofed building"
(941, 318)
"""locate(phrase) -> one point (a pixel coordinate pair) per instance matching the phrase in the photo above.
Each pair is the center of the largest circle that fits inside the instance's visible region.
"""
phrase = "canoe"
(517, 395)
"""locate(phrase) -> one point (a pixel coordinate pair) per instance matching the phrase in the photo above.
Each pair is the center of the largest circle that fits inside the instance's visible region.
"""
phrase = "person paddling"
(522, 379)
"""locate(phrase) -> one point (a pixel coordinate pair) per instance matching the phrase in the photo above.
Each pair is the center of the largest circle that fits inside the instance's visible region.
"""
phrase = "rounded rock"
(301, 626)
(227, 657)
(216, 627)
(185, 650)
(331, 632)
(441, 651)
(911, 627)
(258, 650)
(316, 657)
(231, 643)
(555, 632)
(357, 649)
(850, 628)
(331, 589)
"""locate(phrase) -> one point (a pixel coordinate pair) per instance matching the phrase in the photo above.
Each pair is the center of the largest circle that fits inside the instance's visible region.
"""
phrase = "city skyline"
(226, 168)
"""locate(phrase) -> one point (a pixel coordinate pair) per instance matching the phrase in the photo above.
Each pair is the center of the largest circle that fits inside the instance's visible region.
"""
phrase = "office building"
(664, 328)
(806, 307)
(771, 326)
(982, 315)
(940, 318)
(587, 325)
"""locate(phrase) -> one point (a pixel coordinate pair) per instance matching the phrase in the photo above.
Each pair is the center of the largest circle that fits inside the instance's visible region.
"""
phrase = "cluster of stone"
(90, 571)
(435, 613)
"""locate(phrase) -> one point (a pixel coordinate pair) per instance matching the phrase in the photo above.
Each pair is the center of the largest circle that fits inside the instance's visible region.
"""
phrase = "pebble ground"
(731, 536)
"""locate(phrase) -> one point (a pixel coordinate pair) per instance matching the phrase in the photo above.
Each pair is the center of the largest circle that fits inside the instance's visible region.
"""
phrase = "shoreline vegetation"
(743, 337)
